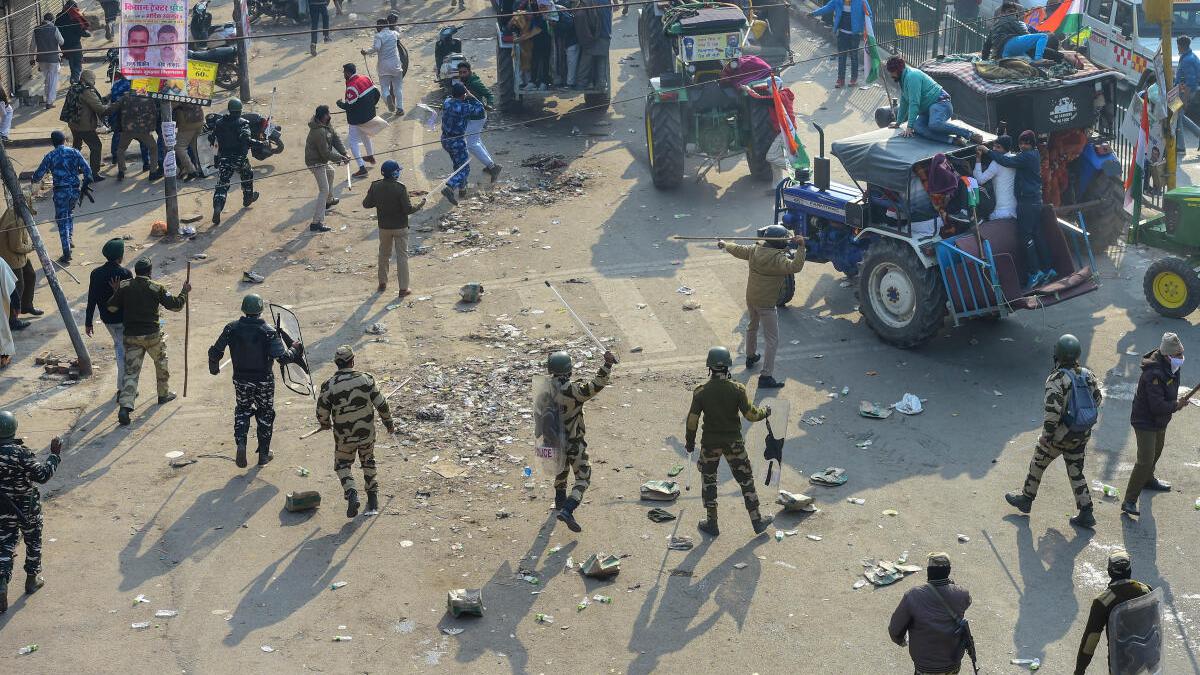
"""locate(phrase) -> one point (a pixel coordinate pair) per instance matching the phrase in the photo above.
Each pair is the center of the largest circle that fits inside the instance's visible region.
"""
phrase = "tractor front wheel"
(903, 301)
(1172, 288)
(657, 54)
(664, 143)
(1107, 220)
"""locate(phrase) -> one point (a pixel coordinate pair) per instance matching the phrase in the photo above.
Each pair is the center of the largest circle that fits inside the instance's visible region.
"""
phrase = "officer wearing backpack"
(1072, 408)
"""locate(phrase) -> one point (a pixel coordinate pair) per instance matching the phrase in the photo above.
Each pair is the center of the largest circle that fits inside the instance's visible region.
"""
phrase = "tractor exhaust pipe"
(821, 163)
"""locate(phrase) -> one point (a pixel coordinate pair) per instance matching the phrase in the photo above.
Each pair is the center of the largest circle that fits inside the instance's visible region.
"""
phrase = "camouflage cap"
(1118, 562)
(344, 354)
(938, 559)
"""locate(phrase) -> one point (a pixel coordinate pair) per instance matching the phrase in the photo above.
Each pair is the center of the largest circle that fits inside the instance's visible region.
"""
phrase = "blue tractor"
(911, 267)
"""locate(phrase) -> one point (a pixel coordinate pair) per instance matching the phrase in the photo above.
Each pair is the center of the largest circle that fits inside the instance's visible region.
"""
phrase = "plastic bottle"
(544, 618)
(1033, 664)
(1198, 504)
(27, 649)
(342, 638)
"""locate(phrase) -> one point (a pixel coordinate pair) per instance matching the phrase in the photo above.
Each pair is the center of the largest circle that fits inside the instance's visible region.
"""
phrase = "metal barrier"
(1123, 149)
(914, 30)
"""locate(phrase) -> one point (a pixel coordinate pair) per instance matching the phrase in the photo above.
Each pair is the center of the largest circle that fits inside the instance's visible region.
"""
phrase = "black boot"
(248, 199)
(567, 515)
(32, 583)
(3, 597)
(560, 498)
(372, 503)
(760, 525)
(351, 503)
(1019, 500)
(1085, 518)
(265, 456)
(709, 526)
(241, 455)
(167, 399)
(123, 416)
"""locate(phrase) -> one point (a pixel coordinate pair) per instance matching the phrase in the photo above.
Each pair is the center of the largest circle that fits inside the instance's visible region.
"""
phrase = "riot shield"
(549, 435)
(1135, 639)
(295, 375)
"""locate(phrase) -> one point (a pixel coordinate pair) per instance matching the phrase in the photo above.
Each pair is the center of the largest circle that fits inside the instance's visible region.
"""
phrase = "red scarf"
(356, 86)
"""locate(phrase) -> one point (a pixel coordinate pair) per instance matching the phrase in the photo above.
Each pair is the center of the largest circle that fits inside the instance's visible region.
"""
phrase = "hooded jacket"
(1157, 393)
(768, 267)
(1005, 30)
(323, 145)
(15, 243)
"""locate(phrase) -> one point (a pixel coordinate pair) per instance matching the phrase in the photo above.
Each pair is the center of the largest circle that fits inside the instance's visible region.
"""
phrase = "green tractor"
(1171, 284)
(690, 110)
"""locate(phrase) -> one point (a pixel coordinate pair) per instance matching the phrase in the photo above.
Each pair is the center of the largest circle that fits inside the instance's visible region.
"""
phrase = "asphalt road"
(214, 544)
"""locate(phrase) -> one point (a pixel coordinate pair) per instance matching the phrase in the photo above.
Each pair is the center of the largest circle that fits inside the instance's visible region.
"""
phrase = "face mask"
(1176, 363)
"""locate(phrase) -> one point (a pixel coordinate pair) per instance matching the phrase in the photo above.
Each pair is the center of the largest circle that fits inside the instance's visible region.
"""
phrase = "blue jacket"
(455, 114)
(64, 164)
(857, 17)
(1028, 163)
(1188, 71)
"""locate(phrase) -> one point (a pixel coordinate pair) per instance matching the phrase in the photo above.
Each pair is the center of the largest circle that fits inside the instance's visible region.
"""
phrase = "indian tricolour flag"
(1067, 19)
(870, 47)
(1133, 177)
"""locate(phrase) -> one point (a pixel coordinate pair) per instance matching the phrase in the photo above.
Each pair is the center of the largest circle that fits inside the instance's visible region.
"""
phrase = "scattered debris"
(267, 648)
(909, 404)
(814, 421)
(465, 601)
(680, 542)
(543, 618)
(814, 537)
(305, 500)
(739, 566)
(471, 293)
(378, 328)
(27, 649)
(337, 584)
(166, 613)
(675, 470)
(453, 631)
(873, 410)
(685, 290)
(545, 162)
(680, 572)
(140, 599)
(342, 638)
(1033, 664)
(856, 500)
(885, 573)
(660, 515)
(794, 501)
(139, 625)
(830, 477)
(691, 305)
(660, 490)
(890, 512)
(252, 277)
(962, 539)
(431, 413)
(601, 566)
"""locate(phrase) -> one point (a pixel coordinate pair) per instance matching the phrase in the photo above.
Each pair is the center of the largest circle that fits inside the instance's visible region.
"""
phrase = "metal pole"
(243, 58)
(170, 184)
(187, 329)
(13, 185)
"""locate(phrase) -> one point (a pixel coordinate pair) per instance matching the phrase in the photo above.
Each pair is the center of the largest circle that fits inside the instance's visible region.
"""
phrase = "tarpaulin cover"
(885, 158)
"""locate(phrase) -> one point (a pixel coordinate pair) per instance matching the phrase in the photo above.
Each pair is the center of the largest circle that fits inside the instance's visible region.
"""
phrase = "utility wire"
(543, 118)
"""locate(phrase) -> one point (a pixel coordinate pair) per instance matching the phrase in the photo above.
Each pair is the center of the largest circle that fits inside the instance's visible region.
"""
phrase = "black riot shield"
(295, 375)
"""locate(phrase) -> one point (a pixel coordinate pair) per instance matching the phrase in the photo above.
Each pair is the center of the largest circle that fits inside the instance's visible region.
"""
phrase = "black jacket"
(362, 110)
(232, 135)
(100, 290)
(1157, 393)
(253, 345)
(1005, 29)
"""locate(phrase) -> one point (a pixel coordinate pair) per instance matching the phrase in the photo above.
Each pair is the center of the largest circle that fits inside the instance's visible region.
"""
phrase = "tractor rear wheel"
(903, 301)
(664, 143)
(1172, 288)
(1107, 220)
(787, 291)
(657, 55)
(762, 134)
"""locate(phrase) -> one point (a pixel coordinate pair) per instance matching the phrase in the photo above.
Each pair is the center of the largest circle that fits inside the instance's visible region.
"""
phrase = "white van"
(1123, 40)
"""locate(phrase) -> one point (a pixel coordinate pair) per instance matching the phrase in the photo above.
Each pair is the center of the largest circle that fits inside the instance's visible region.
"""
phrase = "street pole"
(243, 58)
(1165, 87)
(13, 185)
(170, 168)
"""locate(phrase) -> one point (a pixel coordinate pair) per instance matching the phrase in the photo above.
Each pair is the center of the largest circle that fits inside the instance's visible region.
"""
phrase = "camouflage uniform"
(65, 164)
(348, 401)
(139, 120)
(233, 138)
(140, 298)
(1062, 441)
(19, 471)
(721, 400)
(571, 397)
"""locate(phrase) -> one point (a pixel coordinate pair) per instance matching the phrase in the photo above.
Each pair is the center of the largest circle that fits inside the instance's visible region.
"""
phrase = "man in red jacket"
(361, 98)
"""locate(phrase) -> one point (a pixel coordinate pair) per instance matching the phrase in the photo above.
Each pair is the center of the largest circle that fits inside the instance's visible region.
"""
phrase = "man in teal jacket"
(926, 107)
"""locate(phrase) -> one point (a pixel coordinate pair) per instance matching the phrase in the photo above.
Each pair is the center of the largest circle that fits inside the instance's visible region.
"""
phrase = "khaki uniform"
(768, 268)
(140, 299)
(348, 402)
(571, 397)
(1062, 441)
(720, 401)
(189, 122)
(1118, 591)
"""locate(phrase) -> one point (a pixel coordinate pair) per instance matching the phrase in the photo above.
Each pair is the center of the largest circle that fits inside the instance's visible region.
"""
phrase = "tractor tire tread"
(1181, 268)
(664, 144)
(931, 300)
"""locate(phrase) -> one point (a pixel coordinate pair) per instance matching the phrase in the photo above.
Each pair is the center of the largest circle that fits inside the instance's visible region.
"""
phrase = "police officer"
(65, 164)
(140, 299)
(347, 404)
(1057, 437)
(769, 265)
(253, 345)
(720, 401)
(1121, 589)
(571, 397)
(231, 132)
(20, 504)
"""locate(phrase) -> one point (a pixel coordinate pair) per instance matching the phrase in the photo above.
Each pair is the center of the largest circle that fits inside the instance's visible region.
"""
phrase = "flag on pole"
(1067, 19)
(870, 47)
(1133, 177)
(798, 157)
